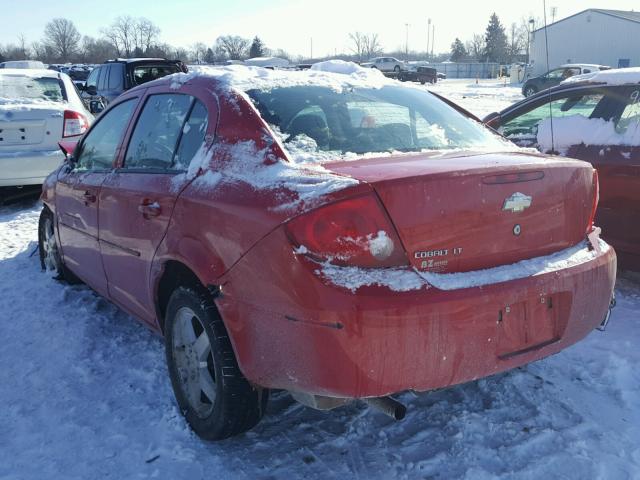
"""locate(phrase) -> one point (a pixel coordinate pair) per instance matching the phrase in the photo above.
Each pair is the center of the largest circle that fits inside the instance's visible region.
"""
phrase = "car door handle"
(89, 197)
(149, 209)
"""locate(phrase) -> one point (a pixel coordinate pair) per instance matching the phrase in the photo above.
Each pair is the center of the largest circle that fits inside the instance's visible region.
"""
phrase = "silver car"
(38, 109)
(385, 64)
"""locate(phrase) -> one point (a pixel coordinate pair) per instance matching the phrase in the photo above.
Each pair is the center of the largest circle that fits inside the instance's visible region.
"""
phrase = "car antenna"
(546, 44)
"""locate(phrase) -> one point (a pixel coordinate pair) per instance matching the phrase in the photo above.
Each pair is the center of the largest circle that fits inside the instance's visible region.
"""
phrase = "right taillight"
(596, 199)
(74, 124)
(353, 232)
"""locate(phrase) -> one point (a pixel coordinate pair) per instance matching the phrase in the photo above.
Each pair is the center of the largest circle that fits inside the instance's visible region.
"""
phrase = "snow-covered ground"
(84, 394)
(481, 99)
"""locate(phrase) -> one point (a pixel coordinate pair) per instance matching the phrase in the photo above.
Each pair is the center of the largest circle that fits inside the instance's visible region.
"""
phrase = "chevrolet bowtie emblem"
(517, 202)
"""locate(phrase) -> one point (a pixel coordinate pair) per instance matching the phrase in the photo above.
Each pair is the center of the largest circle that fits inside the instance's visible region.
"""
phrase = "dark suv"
(109, 80)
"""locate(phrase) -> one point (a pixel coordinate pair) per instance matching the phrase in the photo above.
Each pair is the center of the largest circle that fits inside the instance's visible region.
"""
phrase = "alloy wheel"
(194, 361)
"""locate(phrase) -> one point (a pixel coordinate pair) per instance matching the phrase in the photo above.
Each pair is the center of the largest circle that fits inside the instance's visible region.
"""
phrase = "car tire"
(530, 90)
(49, 250)
(396, 69)
(198, 351)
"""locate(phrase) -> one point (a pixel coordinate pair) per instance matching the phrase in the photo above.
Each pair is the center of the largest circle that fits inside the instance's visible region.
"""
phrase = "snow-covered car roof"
(334, 74)
(618, 76)
(31, 72)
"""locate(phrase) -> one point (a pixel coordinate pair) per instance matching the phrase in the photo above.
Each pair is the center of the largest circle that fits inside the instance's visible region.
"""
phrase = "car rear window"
(146, 73)
(18, 87)
(368, 120)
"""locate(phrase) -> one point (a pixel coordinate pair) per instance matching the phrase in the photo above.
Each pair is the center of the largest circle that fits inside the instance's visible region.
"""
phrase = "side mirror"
(96, 106)
(91, 89)
(493, 120)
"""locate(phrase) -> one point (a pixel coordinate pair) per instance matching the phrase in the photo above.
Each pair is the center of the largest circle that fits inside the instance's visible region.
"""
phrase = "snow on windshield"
(18, 89)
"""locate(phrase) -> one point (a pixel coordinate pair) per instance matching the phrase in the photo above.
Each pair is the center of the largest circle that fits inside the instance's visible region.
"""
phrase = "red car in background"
(595, 118)
(338, 236)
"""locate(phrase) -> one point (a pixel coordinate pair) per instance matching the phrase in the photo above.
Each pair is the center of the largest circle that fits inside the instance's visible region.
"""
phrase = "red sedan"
(338, 235)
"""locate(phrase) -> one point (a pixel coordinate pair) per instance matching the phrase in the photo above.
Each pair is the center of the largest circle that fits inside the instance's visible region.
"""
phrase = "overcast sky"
(288, 24)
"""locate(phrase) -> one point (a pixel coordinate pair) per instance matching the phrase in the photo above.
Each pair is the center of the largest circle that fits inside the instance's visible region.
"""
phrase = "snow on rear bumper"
(299, 332)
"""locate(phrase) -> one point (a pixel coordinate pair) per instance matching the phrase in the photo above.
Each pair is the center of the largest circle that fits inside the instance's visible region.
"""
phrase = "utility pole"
(428, 35)
(554, 10)
(311, 44)
(433, 38)
(406, 42)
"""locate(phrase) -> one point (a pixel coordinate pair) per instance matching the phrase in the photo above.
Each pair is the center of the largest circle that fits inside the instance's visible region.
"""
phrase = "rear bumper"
(293, 330)
(28, 167)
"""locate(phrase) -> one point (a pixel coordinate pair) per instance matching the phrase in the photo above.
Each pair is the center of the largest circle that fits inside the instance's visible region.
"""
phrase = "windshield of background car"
(146, 73)
(16, 87)
(368, 120)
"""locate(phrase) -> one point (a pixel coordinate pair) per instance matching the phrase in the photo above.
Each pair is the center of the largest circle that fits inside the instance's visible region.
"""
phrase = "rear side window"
(146, 73)
(99, 147)
(193, 134)
(160, 127)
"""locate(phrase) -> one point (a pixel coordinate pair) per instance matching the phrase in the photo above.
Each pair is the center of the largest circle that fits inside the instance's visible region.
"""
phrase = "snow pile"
(244, 162)
(577, 129)
(352, 278)
(567, 258)
(618, 76)
(333, 74)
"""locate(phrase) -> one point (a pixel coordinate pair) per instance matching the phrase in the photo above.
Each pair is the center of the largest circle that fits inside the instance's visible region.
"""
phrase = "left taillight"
(352, 232)
(74, 124)
(596, 199)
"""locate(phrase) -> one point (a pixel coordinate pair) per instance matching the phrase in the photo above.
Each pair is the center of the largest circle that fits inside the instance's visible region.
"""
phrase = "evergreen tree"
(496, 44)
(257, 48)
(209, 57)
(458, 52)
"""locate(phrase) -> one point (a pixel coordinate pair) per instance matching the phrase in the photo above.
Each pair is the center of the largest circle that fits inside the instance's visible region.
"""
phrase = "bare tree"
(198, 52)
(234, 46)
(63, 37)
(475, 46)
(365, 46)
(372, 45)
(358, 41)
(122, 35)
(147, 33)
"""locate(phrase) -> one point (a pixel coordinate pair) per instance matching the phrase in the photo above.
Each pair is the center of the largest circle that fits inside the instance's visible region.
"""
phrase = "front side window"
(18, 87)
(169, 131)
(369, 120)
(99, 147)
(523, 129)
(92, 81)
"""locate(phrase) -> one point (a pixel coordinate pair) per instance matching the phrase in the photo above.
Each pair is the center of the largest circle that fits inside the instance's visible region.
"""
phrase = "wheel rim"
(194, 361)
(49, 246)
(530, 91)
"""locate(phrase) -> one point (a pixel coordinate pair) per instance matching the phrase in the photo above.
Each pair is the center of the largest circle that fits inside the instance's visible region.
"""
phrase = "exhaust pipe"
(388, 406)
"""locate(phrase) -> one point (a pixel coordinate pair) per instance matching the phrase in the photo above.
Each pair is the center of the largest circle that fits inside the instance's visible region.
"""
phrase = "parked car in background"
(31, 64)
(557, 75)
(345, 276)
(107, 81)
(385, 64)
(594, 118)
(38, 108)
(420, 74)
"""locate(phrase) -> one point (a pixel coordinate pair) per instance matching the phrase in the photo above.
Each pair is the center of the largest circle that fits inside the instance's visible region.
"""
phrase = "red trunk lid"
(468, 211)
